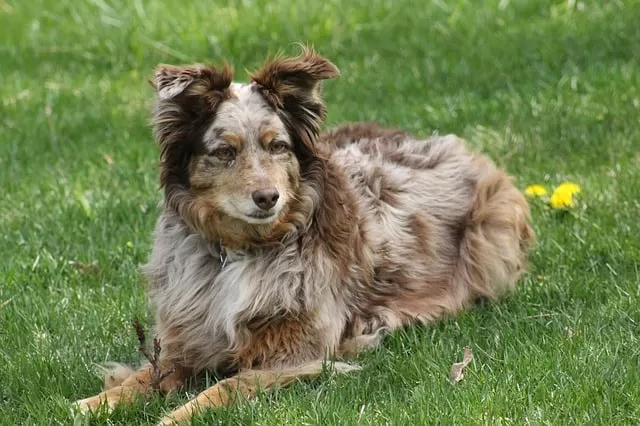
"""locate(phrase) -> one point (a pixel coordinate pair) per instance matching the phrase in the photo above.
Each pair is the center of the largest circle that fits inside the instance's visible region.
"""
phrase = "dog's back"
(445, 225)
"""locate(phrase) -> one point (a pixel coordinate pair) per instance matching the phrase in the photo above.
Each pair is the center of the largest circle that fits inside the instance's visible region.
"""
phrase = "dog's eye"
(278, 147)
(226, 153)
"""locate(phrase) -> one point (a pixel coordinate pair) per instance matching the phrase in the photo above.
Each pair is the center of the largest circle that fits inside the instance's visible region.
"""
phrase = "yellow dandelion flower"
(561, 200)
(535, 191)
(569, 187)
(563, 195)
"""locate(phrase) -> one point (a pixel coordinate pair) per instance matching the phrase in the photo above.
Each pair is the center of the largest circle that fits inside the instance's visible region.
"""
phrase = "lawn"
(549, 89)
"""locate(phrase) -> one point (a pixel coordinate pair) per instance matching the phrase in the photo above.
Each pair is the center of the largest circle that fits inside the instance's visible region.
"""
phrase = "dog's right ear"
(186, 95)
(174, 82)
(187, 99)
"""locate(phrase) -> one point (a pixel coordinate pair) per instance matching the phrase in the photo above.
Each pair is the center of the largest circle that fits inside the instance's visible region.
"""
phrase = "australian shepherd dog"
(280, 248)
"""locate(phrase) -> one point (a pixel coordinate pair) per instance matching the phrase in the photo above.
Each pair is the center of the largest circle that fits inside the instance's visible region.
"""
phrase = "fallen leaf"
(108, 159)
(457, 369)
(85, 267)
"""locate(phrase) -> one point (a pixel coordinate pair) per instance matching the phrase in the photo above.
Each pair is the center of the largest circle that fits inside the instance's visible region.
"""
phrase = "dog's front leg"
(246, 384)
(222, 393)
(142, 383)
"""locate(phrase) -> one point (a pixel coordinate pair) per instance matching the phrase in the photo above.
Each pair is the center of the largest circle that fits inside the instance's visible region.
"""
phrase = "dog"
(281, 248)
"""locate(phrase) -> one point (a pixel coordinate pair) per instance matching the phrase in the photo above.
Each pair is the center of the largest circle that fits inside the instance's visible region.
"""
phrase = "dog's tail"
(494, 246)
(247, 383)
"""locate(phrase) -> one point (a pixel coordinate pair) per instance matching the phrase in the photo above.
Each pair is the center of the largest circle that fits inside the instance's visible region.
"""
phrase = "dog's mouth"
(250, 214)
(260, 217)
(262, 214)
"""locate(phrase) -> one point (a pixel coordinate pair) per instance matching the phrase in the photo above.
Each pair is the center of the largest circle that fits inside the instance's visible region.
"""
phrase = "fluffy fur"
(363, 230)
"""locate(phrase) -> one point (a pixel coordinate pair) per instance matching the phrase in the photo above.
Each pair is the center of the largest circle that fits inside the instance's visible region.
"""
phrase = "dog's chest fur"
(209, 305)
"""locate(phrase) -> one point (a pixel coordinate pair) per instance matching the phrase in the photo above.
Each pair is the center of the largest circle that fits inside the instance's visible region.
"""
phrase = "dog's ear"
(187, 94)
(292, 85)
(187, 98)
(177, 83)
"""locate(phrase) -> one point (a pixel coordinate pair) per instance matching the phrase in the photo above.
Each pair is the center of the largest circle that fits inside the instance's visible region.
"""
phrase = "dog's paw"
(354, 345)
(343, 367)
(91, 405)
(167, 421)
(180, 416)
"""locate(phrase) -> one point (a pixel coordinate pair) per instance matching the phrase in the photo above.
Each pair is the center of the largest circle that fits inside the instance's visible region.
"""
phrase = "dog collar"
(222, 252)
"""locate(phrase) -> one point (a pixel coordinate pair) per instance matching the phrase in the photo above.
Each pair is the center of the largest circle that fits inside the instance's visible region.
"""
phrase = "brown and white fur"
(279, 246)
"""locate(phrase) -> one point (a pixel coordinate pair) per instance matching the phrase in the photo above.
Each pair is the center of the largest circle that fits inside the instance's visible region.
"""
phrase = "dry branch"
(157, 376)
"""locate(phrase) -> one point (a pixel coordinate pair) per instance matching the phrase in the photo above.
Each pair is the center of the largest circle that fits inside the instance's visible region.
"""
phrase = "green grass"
(549, 89)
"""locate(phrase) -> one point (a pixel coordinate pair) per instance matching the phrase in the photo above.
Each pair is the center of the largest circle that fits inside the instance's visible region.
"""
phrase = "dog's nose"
(265, 198)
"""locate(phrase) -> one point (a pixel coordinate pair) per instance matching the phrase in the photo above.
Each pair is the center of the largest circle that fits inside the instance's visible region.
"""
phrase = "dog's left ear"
(292, 85)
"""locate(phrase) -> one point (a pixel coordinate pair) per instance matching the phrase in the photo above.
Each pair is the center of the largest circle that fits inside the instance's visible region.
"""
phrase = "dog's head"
(232, 154)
